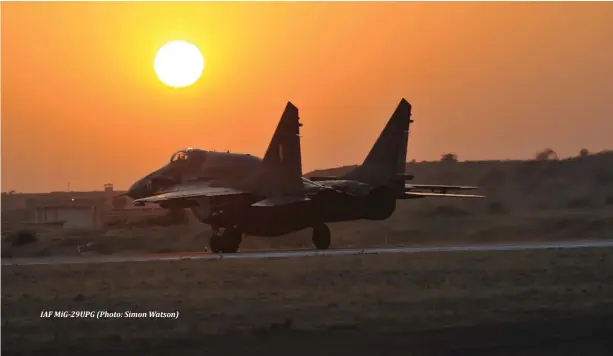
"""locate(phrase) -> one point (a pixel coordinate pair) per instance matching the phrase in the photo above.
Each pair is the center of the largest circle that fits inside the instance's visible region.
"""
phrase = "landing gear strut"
(321, 236)
(227, 242)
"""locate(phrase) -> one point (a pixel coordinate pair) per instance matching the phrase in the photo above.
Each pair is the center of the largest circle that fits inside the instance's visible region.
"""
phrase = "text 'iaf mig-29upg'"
(240, 194)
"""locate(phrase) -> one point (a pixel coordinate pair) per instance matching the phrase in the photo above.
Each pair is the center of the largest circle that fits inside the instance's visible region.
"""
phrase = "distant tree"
(449, 157)
(546, 155)
(584, 152)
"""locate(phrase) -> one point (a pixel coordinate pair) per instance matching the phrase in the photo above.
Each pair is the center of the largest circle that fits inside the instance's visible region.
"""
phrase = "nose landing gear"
(321, 236)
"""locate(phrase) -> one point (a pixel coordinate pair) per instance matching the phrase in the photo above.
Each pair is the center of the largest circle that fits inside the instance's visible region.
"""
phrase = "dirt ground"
(431, 223)
(496, 303)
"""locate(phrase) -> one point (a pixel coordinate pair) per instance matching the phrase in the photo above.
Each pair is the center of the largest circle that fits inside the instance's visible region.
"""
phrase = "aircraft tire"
(321, 236)
(232, 238)
(215, 243)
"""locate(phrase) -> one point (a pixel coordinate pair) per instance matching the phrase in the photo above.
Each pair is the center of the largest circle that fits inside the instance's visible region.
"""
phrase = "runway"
(292, 254)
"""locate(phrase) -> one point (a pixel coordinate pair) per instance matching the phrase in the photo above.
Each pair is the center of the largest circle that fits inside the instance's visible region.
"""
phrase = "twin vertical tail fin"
(385, 163)
(280, 174)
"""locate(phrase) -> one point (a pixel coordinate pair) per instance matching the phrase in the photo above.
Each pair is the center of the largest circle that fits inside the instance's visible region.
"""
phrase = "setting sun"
(178, 64)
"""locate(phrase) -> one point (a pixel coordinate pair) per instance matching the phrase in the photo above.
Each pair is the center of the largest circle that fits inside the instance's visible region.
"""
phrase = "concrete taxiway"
(58, 260)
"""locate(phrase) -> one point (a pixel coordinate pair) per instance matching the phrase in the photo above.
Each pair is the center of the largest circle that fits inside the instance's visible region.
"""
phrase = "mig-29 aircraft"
(243, 195)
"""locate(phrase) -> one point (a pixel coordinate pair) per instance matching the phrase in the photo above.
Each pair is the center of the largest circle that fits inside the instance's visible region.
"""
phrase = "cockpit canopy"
(188, 154)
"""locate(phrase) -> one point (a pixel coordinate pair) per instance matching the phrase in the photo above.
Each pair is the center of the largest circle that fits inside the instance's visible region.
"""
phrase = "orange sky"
(81, 102)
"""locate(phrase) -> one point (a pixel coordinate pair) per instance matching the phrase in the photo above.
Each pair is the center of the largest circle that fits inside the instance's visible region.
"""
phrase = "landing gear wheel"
(232, 238)
(215, 243)
(321, 236)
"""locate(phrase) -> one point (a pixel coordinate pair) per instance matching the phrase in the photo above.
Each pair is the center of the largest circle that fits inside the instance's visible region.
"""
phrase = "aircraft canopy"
(187, 154)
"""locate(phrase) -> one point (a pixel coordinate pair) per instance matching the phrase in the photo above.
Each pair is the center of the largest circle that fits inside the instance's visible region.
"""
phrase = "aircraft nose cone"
(147, 185)
(138, 190)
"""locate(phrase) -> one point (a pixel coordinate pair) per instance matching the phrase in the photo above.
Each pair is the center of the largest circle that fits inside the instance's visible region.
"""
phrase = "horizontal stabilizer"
(410, 195)
(280, 201)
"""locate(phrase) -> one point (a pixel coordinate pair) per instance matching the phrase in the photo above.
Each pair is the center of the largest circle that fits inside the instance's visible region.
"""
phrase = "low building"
(72, 213)
(76, 209)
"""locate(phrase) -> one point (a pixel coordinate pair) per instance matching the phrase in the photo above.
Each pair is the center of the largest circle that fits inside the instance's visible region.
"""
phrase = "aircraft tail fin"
(385, 163)
(280, 173)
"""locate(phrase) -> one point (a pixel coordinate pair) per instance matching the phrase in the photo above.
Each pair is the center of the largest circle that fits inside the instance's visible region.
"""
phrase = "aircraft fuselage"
(324, 206)
(341, 201)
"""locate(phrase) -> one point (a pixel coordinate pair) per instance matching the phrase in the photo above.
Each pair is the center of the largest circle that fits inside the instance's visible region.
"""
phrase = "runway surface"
(300, 253)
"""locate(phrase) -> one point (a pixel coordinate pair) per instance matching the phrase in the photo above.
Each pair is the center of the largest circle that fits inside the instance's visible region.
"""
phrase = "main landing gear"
(231, 238)
(321, 236)
(227, 242)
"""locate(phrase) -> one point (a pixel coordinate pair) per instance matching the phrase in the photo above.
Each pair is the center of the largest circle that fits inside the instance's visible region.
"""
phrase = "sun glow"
(178, 64)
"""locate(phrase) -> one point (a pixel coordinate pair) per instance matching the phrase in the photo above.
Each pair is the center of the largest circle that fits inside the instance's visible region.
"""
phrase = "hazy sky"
(81, 102)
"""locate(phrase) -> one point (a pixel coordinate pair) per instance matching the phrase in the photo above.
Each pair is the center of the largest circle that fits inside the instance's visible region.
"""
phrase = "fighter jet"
(236, 194)
(240, 194)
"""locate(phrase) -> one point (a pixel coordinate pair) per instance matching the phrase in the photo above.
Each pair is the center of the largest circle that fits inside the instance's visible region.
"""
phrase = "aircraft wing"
(437, 187)
(320, 178)
(189, 191)
(413, 195)
(203, 189)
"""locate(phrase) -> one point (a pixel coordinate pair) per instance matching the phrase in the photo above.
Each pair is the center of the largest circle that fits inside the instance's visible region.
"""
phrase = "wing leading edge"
(202, 189)
(438, 187)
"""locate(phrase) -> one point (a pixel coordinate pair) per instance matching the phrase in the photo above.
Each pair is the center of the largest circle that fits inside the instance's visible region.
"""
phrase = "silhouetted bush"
(546, 155)
(449, 157)
(22, 237)
(584, 152)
